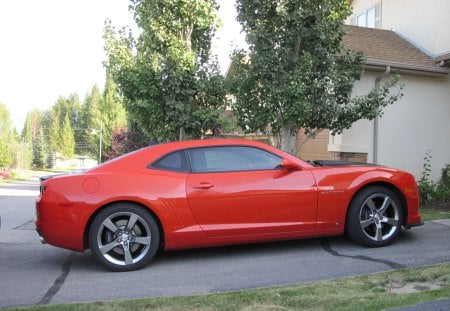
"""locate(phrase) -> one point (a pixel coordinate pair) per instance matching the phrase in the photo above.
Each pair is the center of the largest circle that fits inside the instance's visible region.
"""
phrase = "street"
(33, 273)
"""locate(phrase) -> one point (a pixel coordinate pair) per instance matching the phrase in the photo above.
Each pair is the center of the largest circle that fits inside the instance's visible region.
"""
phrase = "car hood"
(321, 163)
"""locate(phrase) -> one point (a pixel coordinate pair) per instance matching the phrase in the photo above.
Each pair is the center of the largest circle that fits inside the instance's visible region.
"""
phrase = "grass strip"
(378, 291)
(431, 213)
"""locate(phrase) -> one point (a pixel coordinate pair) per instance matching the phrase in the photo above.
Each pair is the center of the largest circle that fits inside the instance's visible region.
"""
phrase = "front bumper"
(417, 224)
(41, 238)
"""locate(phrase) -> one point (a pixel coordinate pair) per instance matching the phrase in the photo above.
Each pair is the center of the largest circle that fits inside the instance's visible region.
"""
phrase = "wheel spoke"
(379, 233)
(145, 240)
(106, 248)
(371, 205)
(385, 205)
(110, 225)
(127, 253)
(132, 221)
(366, 223)
(390, 221)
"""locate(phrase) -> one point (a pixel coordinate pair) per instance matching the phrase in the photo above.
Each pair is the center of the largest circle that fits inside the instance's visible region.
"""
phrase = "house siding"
(417, 124)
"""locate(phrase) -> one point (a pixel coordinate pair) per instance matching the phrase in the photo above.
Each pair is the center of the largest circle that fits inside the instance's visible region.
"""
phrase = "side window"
(175, 161)
(232, 158)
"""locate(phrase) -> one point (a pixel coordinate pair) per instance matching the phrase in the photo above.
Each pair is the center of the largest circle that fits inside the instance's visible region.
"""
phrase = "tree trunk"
(287, 139)
(182, 133)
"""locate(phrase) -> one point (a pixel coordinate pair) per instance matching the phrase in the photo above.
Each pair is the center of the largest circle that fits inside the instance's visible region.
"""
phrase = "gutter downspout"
(375, 121)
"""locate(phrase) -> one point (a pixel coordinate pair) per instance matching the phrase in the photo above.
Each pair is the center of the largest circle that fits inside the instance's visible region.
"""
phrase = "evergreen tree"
(88, 143)
(39, 151)
(68, 139)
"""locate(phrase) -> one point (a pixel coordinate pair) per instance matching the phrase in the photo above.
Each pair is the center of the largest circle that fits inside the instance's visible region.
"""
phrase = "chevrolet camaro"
(206, 193)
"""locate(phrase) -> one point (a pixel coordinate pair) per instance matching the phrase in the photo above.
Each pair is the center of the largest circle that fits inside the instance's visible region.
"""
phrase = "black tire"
(375, 217)
(124, 237)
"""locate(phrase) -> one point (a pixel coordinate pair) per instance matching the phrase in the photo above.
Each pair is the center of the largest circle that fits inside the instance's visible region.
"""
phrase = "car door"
(242, 191)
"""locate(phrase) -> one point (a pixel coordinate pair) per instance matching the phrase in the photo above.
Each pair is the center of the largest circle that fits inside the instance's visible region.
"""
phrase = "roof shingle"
(385, 46)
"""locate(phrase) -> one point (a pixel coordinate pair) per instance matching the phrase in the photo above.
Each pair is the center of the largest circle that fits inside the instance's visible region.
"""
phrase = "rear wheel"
(124, 237)
(375, 216)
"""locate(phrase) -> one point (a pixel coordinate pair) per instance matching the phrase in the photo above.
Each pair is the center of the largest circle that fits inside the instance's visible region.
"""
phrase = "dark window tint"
(175, 161)
(232, 158)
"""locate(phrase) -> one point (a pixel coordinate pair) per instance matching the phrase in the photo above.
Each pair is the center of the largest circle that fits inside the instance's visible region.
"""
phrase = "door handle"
(203, 185)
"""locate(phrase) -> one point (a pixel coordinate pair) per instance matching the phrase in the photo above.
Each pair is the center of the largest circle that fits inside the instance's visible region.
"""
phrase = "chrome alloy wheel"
(124, 238)
(379, 217)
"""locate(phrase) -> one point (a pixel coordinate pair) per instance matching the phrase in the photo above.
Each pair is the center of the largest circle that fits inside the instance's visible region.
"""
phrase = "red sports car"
(217, 192)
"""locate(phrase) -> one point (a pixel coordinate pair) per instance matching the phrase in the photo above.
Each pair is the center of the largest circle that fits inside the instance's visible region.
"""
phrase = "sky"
(52, 48)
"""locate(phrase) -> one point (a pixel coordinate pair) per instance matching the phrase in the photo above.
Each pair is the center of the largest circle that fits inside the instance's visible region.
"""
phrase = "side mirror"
(290, 165)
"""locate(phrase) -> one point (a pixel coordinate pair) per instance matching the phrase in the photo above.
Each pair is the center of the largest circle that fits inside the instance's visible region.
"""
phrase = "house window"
(366, 18)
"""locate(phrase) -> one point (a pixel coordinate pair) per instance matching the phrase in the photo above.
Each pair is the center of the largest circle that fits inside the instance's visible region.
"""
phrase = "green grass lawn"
(378, 291)
(431, 213)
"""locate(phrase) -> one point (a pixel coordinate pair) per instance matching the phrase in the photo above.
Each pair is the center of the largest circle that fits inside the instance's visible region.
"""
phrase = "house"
(408, 37)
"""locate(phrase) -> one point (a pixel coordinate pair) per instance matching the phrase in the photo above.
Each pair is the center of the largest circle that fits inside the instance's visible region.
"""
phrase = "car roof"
(143, 157)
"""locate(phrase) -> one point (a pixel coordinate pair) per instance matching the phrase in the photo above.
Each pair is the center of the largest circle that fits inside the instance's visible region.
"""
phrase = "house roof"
(383, 48)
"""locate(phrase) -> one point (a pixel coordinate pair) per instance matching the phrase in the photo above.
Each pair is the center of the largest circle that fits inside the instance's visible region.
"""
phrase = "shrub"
(431, 191)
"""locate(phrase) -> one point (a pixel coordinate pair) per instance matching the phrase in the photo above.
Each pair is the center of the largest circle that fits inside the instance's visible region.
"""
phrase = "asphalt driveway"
(32, 273)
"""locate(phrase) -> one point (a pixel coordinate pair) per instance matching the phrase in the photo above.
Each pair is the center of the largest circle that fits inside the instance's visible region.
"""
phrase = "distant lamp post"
(94, 132)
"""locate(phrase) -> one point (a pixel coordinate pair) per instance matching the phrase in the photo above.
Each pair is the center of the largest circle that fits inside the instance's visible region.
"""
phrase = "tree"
(170, 84)
(6, 138)
(88, 142)
(113, 114)
(31, 137)
(68, 139)
(62, 122)
(39, 151)
(100, 112)
(32, 127)
(124, 141)
(297, 74)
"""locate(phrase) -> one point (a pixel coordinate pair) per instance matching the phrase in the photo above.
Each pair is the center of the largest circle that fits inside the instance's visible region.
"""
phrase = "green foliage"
(442, 191)
(61, 121)
(39, 151)
(297, 73)
(6, 138)
(34, 150)
(68, 140)
(69, 128)
(86, 141)
(124, 141)
(430, 191)
(113, 114)
(171, 87)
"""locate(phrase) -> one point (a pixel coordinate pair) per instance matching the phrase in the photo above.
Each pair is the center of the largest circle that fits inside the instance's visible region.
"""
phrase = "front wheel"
(375, 217)
(124, 237)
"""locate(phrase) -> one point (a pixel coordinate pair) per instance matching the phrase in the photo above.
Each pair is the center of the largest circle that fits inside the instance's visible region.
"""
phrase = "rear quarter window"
(175, 161)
